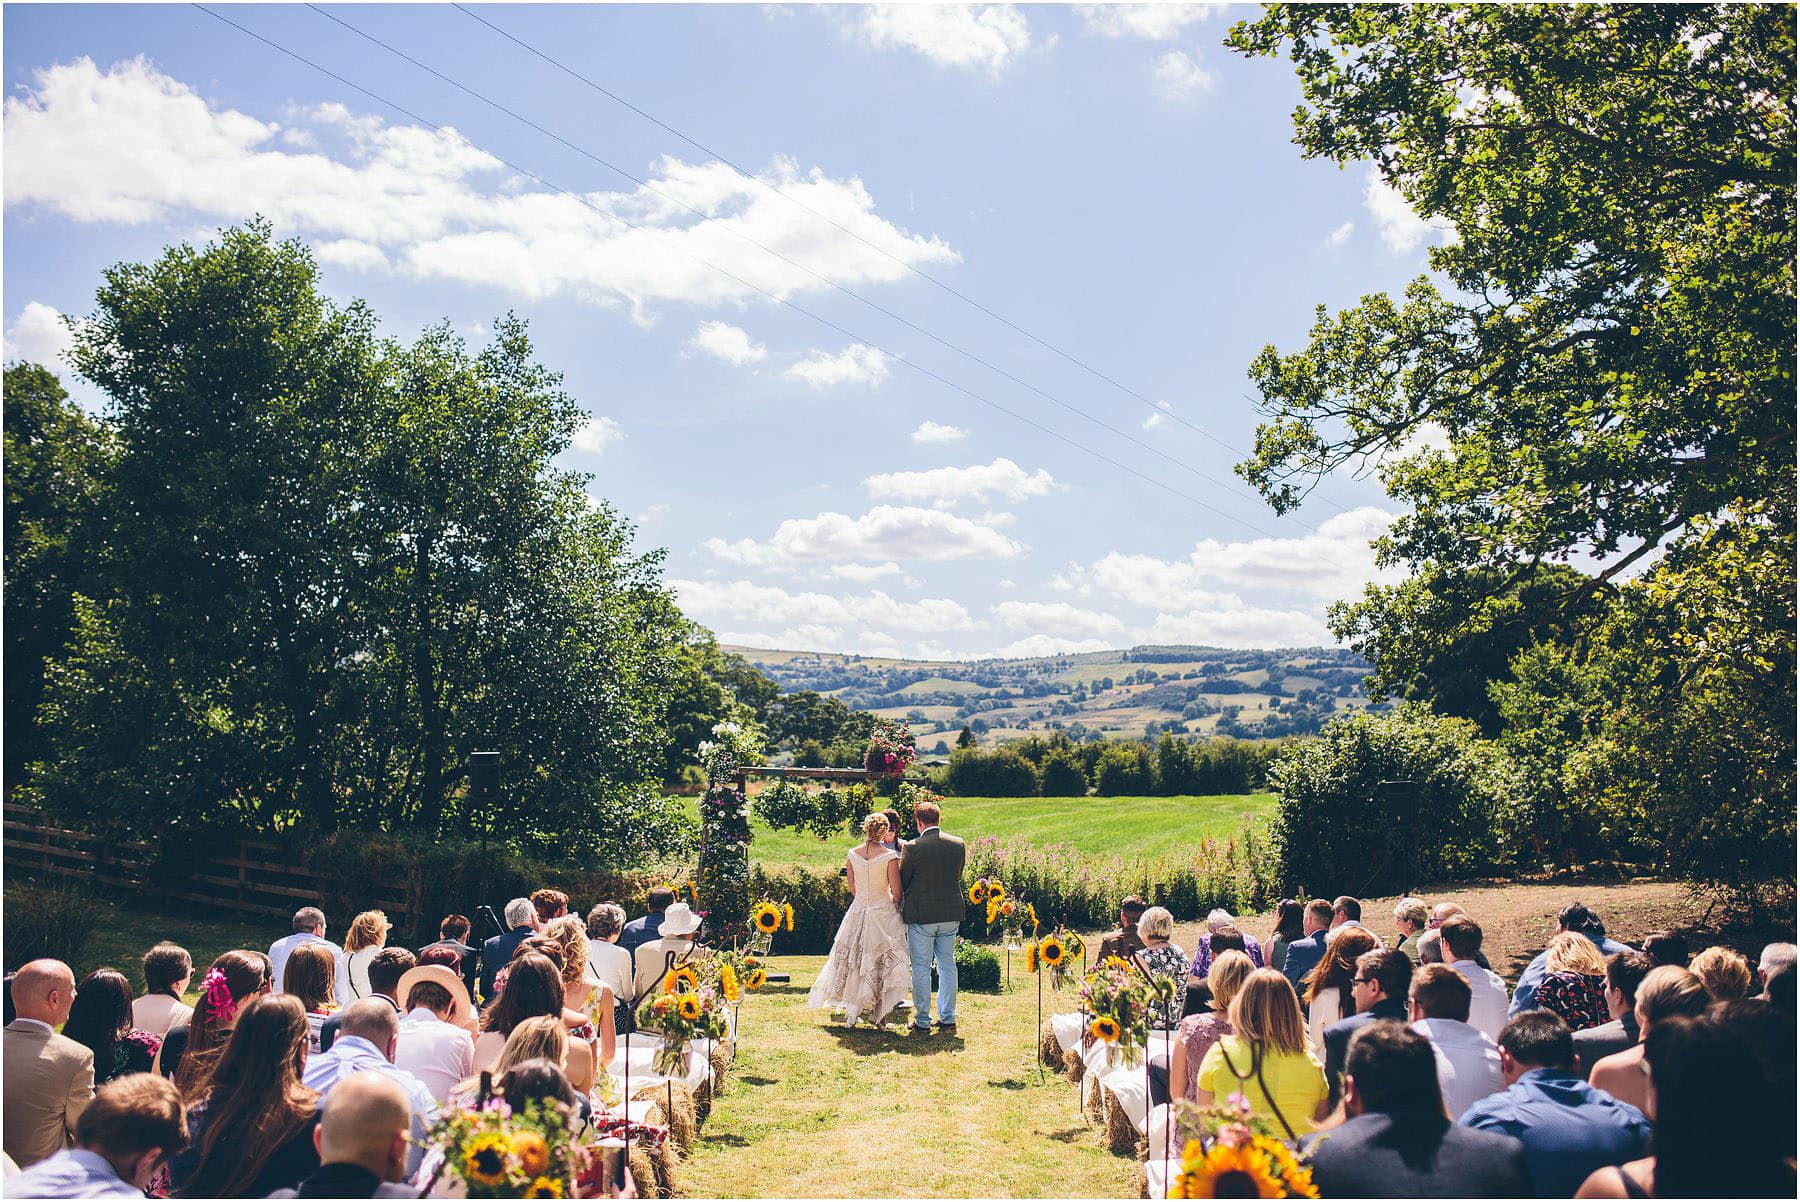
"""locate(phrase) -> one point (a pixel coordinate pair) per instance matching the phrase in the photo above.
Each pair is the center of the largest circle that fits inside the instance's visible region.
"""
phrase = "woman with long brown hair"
(1328, 984)
(308, 976)
(100, 1020)
(251, 1122)
(190, 1049)
(1265, 1057)
(534, 989)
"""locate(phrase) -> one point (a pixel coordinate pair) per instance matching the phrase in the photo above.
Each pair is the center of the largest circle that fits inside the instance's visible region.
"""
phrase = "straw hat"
(678, 919)
(460, 1005)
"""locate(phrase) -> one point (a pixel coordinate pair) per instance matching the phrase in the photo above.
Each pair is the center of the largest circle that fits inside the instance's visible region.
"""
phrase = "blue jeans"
(923, 941)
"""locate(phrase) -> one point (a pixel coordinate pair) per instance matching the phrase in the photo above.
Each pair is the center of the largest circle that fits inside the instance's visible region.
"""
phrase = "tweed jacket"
(931, 870)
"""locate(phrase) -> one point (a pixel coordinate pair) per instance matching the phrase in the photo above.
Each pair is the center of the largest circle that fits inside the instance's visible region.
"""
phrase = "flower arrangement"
(891, 750)
(1228, 1152)
(1060, 952)
(732, 744)
(771, 916)
(683, 1011)
(497, 1152)
(1119, 1001)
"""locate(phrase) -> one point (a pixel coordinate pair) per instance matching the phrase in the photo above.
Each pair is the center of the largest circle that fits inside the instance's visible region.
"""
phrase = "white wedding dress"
(869, 971)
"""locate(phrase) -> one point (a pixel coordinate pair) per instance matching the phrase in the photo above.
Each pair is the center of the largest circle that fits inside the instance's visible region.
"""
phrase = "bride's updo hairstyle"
(873, 825)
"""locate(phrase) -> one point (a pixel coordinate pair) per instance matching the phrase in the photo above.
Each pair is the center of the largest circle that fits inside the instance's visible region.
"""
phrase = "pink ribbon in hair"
(218, 996)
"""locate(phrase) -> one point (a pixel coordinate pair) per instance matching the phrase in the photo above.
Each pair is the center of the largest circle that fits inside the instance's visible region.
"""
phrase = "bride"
(868, 972)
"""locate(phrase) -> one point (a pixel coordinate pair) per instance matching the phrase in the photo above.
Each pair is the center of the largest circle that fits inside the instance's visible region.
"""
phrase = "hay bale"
(1092, 1100)
(1050, 1052)
(703, 1096)
(1143, 1181)
(1074, 1065)
(643, 1172)
(1121, 1136)
(721, 1064)
(681, 1117)
(665, 1168)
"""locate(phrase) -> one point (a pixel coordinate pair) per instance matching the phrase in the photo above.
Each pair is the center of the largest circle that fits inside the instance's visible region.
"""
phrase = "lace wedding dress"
(869, 971)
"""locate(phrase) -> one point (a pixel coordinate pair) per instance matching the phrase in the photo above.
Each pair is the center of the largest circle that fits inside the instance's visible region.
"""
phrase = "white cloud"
(967, 36)
(653, 513)
(1038, 645)
(1008, 584)
(727, 343)
(39, 335)
(862, 573)
(1155, 22)
(1243, 626)
(768, 615)
(855, 364)
(1157, 421)
(1058, 616)
(929, 431)
(596, 435)
(1341, 234)
(1179, 78)
(883, 533)
(1401, 229)
(131, 145)
(352, 253)
(949, 485)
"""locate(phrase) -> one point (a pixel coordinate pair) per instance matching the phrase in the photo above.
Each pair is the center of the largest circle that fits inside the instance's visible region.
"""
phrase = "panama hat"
(678, 919)
(438, 974)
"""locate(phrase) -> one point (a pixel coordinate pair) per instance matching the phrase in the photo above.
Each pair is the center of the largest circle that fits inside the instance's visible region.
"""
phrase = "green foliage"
(1062, 776)
(977, 967)
(974, 773)
(1124, 770)
(1083, 891)
(54, 919)
(819, 900)
(710, 686)
(1337, 830)
(824, 812)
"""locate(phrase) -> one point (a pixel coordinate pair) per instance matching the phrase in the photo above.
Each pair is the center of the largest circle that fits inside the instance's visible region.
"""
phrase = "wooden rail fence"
(253, 881)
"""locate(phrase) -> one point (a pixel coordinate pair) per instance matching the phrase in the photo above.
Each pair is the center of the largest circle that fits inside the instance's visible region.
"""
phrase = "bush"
(990, 774)
(1062, 776)
(819, 900)
(1084, 891)
(1336, 830)
(49, 919)
(1124, 771)
(977, 967)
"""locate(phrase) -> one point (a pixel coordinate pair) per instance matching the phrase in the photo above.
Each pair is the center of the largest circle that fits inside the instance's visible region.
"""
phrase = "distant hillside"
(1115, 694)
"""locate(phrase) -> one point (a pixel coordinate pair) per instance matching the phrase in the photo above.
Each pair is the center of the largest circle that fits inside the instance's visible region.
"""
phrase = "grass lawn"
(812, 1110)
(1126, 826)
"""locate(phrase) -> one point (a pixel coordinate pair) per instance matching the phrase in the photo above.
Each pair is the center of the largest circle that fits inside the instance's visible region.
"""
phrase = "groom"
(931, 871)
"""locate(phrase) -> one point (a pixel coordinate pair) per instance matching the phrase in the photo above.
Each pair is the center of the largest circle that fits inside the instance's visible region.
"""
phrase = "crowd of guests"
(1403, 1064)
(315, 1070)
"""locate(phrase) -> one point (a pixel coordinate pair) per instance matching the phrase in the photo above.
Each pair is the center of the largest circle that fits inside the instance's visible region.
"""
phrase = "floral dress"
(134, 1052)
(1171, 962)
(1578, 998)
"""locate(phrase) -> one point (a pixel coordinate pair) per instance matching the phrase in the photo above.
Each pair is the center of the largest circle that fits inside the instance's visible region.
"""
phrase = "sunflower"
(1052, 951)
(1031, 913)
(751, 962)
(993, 911)
(767, 918)
(484, 1161)
(755, 980)
(544, 1187)
(977, 892)
(1104, 1029)
(1031, 957)
(1113, 964)
(682, 980)
(996, 891)
(663, 1004)
(1009, 907)
(688, 1007)
(532, 1151)
(787, 916)
(728, 984)
(1227, 1172)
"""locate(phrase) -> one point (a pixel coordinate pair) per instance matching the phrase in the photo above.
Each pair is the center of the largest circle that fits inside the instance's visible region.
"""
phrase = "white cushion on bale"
(641, 1049)
(1159, 1132)
(1131, 1086)
(1067, 1029)
(1160, 1174)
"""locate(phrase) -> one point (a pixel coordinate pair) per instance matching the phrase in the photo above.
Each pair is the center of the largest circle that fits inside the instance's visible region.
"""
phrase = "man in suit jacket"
(1397, 1141)
(496, 953)
(122, 1139)
(931, 870)
(640, 931)
(1379, 990)
(1125, 941)
(49, 1077)
(1625, 971)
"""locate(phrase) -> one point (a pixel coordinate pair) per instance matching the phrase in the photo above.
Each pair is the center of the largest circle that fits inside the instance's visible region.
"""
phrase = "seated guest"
(673, 946)
(1346, 911)
(496, 953)
(1568, 1127)
(385, 969)
(1574, 982)
(1666, 947)
(1378, 991)
(640, 931)
(1219, 922)
(1468, 1062)
(367, 935)
(1771, 1036)
(610, 963)
(251, 1119)
(1290, 924)
(541, 1038)
(1124, 941)
(1725, 973)
(1664, 993)
(1328, 986)
(537, 1080)
(49, 1077)
(1624, 972)
(1395, 1141)
(1197, 1033)
(434, 1043)
(122, 1141)
(311, 980)
(1710, 1111)
(167, 971)
(1442, 913)
(190, 1049)
(1227, 938)
(453, 937)
(1265, 1057)
(1161, 958)
(368, 1036)
(1304, 953)
(534, 989)
(583, 995)
(1780, 990)
(549, 904)
(1431, 948)
(362, 1139)
(100, 1020)
(1461, 937)
(1775, 957)
(1410, 917)
(309, 927)
(1577, 918)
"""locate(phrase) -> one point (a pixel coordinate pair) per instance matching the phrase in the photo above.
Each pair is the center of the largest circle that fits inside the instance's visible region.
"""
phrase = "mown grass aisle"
(813, 1110)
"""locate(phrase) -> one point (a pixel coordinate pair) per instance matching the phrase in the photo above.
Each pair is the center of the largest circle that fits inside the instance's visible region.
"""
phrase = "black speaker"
(484, 775)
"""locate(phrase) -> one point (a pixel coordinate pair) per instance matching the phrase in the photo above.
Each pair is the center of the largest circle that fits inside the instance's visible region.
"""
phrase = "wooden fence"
(252, 881)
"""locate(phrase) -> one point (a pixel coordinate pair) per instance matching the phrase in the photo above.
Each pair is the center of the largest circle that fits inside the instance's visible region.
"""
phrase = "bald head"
(364, 1120)
(1443, 912)
(44, 990)
(374, 1020)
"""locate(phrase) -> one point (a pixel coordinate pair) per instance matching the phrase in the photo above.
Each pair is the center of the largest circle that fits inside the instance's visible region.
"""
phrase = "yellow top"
(1295, 1081)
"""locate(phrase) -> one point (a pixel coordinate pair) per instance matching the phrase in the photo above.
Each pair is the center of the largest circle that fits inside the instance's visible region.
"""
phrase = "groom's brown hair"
(926, 811)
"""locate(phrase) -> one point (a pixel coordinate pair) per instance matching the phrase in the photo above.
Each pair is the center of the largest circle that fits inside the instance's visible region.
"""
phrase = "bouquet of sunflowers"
(766, 918)
(731, 973)
(1119, 1001)
(989, 892)
(1229, 1153)
(1060, 952)
(685, 1009)
(497, 1152)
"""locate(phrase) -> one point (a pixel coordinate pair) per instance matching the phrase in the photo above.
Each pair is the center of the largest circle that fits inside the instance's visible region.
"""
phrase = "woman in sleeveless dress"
(868, 972)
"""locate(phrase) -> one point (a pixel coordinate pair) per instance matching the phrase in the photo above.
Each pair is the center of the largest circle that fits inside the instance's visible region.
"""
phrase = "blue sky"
(1110, 179)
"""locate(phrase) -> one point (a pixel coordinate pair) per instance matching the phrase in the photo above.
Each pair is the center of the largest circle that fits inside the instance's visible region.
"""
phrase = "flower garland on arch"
(724, 875)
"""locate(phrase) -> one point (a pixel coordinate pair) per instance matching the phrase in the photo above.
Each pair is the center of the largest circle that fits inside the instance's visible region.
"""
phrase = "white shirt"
(1468, 1062)
(1487, 1000)
(353, 976)
(157, 1012)
(1326, 1009)
(280, 949)
(435, 1052)
(354, 1054)
(611, 965)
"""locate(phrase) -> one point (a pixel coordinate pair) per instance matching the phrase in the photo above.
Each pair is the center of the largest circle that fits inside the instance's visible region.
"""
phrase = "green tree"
(1062, 776)
(711, 686)
(999, 773)
(1175, 773)
(966, 738)
(1124, 770)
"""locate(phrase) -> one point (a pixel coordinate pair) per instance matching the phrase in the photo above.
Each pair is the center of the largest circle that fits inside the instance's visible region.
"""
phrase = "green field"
(1126, 826)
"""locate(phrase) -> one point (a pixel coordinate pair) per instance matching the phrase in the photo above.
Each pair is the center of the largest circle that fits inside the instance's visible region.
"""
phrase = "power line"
(830, 283)
(757, 288)
(841, 228)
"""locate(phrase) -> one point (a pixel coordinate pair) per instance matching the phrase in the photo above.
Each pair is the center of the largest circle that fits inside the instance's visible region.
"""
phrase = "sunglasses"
(1362, 980)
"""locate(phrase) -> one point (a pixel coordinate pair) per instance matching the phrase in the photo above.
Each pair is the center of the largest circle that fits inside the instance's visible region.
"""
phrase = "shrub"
(1336, 830)
(977, 967)
(990, 774)
(52, 919)
(819, 900)
(1124, 771)
(1069, 886)
(1062, 776)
